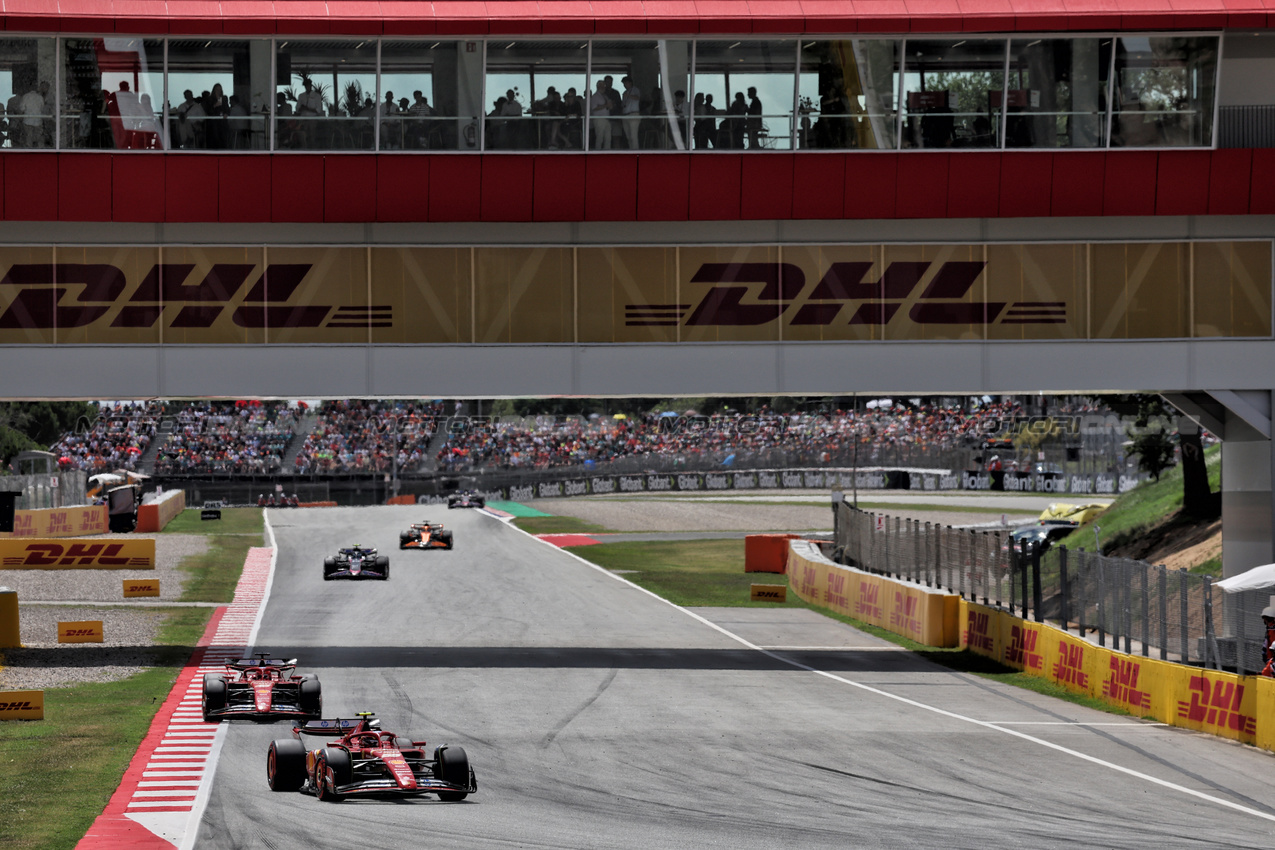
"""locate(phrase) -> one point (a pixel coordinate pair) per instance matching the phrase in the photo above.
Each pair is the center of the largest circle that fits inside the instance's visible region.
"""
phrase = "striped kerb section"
(152, 806)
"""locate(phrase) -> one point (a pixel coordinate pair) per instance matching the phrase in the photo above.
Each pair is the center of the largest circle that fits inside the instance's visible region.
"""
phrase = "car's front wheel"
(452, 766)
(285, 765)
(339, 762)
(214, 696)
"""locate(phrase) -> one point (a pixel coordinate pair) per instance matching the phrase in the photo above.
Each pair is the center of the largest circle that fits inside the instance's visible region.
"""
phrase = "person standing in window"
(599, 113)
(738, 113)
(631, 111)
(754, 121)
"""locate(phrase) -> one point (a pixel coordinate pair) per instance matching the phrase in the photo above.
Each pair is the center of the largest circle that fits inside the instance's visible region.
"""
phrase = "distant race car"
(365, 760)
(261, 687)
(356, 562)
(466, 499)
(425, 535)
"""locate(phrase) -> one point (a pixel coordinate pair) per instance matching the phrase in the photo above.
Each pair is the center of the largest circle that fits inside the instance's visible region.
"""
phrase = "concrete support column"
(1247, 499)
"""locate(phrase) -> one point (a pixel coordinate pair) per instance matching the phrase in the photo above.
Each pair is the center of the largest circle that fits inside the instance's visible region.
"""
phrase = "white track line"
(1191, 792)
(205, 787)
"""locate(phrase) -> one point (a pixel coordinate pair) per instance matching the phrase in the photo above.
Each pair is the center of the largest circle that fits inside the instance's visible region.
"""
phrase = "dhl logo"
(141, 588)
(1122, 684)
(80, 632)
(879, 301)
(17, 706)
(1217, 704)
(835, 595)
(977, 633)
(868, 602)
(81, 554)
(74, 295)
(904, 614)
(806, 579)
(1070, 668)
(1022, 648)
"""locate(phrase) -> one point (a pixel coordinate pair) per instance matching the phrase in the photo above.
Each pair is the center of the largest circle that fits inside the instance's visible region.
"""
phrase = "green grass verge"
(214, 574)
(557, 525)
(59, 773)
(710, 573)
(1132, 514)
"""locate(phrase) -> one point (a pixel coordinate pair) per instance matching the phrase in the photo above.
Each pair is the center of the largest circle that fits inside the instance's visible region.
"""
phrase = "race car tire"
(447, 540)
(285, 765)
(404, 539)
(311, 696)
(329, 567)
(451, 505)
(452, 765)
(383, 566)
(214, 697)
(339, 761)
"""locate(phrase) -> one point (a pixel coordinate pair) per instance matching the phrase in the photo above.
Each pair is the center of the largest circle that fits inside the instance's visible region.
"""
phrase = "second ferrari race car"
(356, 562)
(364, 760)
(466, 499)
(261, 687)
(425, 535)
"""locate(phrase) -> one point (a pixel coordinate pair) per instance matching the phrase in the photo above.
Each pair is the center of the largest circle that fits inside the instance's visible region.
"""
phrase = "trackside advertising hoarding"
(110, 554)
(59, 522)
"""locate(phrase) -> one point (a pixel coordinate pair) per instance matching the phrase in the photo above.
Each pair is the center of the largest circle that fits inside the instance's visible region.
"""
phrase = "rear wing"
(340, 726)
(245, 663)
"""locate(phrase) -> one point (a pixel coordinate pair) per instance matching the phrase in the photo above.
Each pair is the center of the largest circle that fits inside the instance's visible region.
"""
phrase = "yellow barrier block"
(141, 587)
(83, 554)
(1265, 707)
(769, 592)
(21, 705)
(9, 634)
(59, 522)
(80, 631)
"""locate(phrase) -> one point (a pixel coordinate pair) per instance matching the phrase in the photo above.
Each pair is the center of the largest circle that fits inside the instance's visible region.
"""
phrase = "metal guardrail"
(1133, 606)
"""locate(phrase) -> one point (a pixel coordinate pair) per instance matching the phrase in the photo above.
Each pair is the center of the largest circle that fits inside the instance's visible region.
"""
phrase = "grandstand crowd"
(370, 436)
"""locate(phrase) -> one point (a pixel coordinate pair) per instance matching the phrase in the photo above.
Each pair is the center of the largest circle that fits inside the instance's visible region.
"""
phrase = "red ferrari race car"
(425, 535)
(261, 688)
(365, 760)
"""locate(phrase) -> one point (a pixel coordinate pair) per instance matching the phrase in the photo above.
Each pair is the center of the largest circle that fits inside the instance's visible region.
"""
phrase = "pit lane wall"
(79, 521)
(923, 614)
(1241, 708)
(156, 514)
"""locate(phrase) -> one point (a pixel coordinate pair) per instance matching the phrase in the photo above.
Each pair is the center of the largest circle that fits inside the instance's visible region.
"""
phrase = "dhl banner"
(141, 587)
(769, 593)
(21, 705)
(924, 615)
(153, 516)
(1205, 700)
(59, 522)
(110, 554)
(248, 295)
(80, 631)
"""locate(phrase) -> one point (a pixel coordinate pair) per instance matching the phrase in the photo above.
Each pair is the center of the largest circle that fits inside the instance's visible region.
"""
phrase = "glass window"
(1057, 94)
(844, 296)
(646, 85)
(846, 94)
(940, 292)
(422, 295)
(524, 295)
(219, 94)
(113, 98)
(734, 294)
(1139, 291)
(948, 88)
(1164, 91)
(326, 98)
(1231, 289)
(628, 294)
(1037, 291)
(536, 91)
(437, 91)
(313, 295)
(753, 90)
(110, 298)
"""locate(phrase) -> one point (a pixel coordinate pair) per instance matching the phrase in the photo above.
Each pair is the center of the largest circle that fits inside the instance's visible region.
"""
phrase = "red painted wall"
(623, 187)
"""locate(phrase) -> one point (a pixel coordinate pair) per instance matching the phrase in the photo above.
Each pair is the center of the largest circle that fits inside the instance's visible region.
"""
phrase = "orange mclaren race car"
(364, 760)
(425, 535)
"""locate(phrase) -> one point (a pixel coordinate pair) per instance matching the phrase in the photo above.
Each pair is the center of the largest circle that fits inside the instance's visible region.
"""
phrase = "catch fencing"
(1132, 606)
(63, 489)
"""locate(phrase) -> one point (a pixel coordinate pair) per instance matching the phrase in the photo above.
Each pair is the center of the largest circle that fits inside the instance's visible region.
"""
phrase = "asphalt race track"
(597, 716)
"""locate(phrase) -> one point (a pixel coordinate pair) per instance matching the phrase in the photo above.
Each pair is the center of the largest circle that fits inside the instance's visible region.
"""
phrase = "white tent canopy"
(1257, 578)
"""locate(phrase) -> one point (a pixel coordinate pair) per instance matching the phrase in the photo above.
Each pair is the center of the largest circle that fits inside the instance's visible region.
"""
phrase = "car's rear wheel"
(383, 566)
(329, 567)
(404, 539)
(447, 540)
(214, 697)
(311, 696)
(452, 766)
(339, 762)
(285, 765)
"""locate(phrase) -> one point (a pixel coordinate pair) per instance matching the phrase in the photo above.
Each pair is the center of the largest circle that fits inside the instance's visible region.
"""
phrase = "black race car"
(363, 760)
(466, 499)
(356, 562)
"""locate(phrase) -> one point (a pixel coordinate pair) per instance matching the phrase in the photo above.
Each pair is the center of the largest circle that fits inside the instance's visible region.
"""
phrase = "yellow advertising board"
(59, 522)
(141, 587)
(284, 294)
(111, 554)
(80, 631)
(769, 593)
(21, 705)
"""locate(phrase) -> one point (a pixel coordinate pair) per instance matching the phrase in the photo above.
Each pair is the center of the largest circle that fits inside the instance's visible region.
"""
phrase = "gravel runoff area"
(129, 631)
(648, 512)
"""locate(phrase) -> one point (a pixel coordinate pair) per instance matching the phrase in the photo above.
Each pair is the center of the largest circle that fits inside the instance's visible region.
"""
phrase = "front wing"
(424, 785)
(352, 576)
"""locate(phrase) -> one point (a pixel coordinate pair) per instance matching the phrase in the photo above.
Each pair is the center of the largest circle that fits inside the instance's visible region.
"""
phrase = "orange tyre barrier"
(766, 553)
